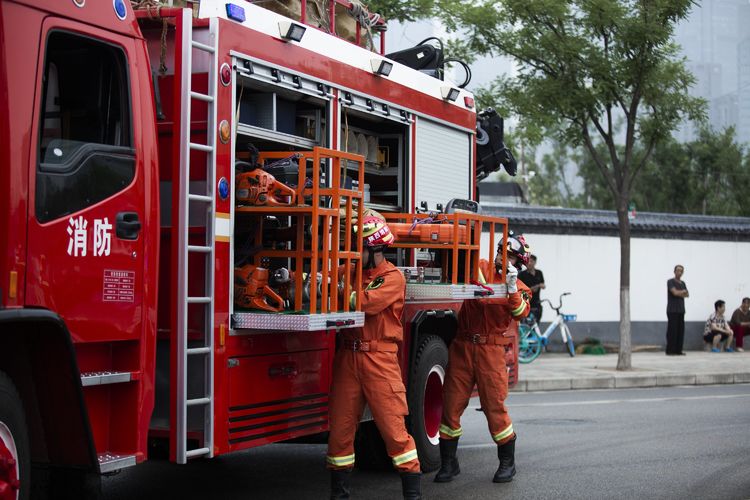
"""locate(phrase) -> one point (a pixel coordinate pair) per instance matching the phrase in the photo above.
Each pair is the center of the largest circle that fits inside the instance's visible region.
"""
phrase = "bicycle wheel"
(529, 344)
(569, 341)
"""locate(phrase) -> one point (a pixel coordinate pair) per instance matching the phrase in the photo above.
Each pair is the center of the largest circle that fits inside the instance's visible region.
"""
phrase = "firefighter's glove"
(511, 278)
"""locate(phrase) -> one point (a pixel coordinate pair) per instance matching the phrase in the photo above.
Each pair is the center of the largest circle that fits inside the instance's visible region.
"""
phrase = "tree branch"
(606, 173)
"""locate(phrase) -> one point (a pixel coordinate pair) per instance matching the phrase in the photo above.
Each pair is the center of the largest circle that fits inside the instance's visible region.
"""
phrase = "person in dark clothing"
(534, 279)
(676, 293)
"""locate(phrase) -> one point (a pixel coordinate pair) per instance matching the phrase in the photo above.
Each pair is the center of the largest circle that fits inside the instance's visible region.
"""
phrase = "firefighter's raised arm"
(381, 292)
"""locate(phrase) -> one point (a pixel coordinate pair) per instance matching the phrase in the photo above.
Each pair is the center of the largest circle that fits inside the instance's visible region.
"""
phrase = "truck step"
(103, 378)
(109, 462)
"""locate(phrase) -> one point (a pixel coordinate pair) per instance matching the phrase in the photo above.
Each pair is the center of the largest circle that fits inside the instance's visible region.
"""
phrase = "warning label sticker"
(119, 286)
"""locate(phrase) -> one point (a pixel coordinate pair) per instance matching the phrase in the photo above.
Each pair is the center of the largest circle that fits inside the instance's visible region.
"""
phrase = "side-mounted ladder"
(188, 356)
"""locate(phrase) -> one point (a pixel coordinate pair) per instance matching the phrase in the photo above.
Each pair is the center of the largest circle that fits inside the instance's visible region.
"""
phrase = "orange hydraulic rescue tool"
(251, 290)
(258, 187)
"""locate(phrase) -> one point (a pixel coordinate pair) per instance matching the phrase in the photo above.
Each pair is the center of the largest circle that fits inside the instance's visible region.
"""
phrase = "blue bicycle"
(531, 340)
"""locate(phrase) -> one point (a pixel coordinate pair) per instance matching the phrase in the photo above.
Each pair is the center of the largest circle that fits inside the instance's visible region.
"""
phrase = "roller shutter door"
(443, 166)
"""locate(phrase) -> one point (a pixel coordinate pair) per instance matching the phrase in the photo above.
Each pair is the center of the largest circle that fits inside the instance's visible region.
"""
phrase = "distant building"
(711, 40)
(743, 92)
(724, 112)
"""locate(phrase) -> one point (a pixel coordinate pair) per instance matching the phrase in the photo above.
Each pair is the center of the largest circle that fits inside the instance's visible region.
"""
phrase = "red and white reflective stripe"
(9, 471)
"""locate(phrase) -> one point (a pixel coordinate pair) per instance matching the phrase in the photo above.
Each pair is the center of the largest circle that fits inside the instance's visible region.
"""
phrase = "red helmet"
(376, 232)
(517, 246)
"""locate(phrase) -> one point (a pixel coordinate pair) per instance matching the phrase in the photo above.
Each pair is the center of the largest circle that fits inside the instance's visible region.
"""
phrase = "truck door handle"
(127, 225)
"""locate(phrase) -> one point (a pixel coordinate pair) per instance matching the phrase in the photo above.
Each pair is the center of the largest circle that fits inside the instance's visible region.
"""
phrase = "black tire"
(571, 345)
(13, 420)
(426, 399)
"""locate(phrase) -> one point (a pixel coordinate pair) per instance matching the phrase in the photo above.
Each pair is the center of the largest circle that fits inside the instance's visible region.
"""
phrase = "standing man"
(477, 356)
(676, 293)
(366, 370)
(740, 323)
(534, 279)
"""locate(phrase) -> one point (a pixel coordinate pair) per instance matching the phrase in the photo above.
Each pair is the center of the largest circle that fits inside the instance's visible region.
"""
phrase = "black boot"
(410, 484)
(506, 453)
(448, 462)
(340, 484)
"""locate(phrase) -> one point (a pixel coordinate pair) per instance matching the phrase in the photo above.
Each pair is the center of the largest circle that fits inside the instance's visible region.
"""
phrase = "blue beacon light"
(120, 8)
(235, 12)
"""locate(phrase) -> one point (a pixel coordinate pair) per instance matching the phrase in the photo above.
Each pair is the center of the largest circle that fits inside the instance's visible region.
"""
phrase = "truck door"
(85, 243)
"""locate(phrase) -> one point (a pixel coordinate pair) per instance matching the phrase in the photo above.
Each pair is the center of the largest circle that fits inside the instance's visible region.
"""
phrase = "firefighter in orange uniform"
(366, 370)
(477, 355)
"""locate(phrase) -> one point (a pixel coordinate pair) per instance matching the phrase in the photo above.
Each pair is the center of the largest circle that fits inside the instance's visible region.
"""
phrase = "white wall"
(589, 267)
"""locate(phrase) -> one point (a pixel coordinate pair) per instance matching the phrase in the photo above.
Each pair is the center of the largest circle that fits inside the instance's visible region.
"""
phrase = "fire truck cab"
(124, 136)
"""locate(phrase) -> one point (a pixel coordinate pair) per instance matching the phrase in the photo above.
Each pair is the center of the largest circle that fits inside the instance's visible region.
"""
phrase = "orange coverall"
(366, 370)
(477, 355)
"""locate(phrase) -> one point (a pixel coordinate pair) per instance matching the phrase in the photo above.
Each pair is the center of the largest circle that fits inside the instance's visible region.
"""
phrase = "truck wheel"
(14, 444)
(426, 399)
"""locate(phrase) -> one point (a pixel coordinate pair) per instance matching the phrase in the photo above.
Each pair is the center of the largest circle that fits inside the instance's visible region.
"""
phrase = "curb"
(626, 381)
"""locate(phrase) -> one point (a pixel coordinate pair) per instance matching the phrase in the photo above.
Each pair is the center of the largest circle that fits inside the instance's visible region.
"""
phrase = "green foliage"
(582, 65)
(396, 10)
(709, 175)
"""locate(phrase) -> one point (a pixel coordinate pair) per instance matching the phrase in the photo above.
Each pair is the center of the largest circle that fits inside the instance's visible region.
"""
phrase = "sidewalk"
(555, 372)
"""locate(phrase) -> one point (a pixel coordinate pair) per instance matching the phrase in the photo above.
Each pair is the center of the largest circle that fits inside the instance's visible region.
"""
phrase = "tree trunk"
(623, 358)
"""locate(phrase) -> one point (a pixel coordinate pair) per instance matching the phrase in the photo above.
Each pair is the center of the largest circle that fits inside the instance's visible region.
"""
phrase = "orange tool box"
(426, 233)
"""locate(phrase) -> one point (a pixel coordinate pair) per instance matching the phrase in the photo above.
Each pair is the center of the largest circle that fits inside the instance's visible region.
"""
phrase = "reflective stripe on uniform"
(482, 280)
(504, 433)
(405, 457)
(518, 310)
(454, 433)
(340, 461)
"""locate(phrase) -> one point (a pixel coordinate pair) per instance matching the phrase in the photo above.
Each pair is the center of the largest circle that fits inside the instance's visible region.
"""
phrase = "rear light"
(469, 102)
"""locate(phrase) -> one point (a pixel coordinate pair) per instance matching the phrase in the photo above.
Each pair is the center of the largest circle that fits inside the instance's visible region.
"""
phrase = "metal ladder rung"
(199, 249)
(199, 300)
(201, 147)
(203, 47)
(199, 350)
(200, 197)
(198, 401)
(197, 452)
(201, 97)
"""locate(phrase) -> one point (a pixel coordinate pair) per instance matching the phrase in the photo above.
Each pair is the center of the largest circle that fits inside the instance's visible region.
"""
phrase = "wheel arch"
(37, 353)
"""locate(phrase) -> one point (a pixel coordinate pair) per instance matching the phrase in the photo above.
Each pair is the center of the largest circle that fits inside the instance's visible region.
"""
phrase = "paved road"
(675, 442)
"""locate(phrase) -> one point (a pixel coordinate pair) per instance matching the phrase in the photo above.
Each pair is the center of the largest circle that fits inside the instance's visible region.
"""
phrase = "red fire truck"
(122, 139)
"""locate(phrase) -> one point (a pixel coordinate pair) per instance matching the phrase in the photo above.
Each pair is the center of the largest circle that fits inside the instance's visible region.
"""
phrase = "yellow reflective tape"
(340, 461)
(481, 277)
(503, 434)
(353, 301)
(451, 432)
(518, 310)
(405, 457)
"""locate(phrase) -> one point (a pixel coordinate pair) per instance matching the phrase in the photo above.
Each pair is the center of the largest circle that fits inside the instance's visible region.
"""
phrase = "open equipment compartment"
(379, 132)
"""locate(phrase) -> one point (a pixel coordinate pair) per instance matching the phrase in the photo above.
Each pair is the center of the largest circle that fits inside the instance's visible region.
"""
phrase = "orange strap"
(358, 345)
(476, 338)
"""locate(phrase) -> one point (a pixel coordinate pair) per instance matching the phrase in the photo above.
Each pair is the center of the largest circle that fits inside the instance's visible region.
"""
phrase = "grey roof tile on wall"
(553, 220)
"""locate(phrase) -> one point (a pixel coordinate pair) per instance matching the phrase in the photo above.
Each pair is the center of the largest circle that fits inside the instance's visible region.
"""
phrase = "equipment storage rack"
(327, 209)
(459, 236)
